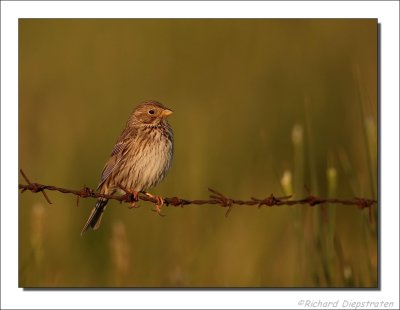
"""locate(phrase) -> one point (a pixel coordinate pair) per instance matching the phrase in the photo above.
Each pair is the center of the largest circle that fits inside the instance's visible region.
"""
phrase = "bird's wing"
(115, 158)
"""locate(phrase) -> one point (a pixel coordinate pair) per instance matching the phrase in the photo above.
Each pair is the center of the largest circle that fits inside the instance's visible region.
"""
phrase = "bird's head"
(150, 113)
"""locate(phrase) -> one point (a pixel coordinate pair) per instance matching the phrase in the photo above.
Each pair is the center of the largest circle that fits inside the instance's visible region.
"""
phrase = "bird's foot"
(159, 204)
(135, 195)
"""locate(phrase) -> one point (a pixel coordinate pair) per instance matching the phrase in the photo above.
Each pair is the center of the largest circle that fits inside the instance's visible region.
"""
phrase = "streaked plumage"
(141, 157)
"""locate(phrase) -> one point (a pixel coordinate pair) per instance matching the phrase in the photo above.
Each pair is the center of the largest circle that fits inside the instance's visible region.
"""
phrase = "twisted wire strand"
(215, 198)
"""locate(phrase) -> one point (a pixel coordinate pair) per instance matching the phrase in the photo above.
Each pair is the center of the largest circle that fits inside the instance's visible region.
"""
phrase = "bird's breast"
(148, 160)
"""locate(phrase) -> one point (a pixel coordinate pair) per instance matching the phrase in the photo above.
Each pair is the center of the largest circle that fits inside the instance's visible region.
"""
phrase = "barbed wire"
(216, 198)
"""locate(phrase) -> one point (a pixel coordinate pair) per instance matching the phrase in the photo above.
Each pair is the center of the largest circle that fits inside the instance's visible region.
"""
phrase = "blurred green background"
(261, 106)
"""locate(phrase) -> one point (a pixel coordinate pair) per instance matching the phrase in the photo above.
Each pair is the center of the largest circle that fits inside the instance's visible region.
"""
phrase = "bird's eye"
(151, 112)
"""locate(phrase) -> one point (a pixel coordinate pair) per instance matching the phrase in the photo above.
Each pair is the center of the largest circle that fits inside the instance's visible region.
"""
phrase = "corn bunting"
(140, 158)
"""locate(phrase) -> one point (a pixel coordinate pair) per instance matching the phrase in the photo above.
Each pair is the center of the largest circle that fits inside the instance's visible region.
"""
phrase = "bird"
(139, 160)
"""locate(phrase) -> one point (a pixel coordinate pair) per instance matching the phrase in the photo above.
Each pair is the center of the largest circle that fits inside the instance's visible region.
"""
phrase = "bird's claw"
(159, 204)
(158, 209)
(135, 199)
(133, 205)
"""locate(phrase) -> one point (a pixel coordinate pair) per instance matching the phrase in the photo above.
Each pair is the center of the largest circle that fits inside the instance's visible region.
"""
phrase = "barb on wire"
(34, 187)
(216, 198)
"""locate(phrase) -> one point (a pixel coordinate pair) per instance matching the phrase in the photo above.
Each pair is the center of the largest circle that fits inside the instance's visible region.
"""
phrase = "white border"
(13, 297)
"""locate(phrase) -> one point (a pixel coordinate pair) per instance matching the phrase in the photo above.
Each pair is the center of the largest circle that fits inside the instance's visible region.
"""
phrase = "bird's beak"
(166, 112)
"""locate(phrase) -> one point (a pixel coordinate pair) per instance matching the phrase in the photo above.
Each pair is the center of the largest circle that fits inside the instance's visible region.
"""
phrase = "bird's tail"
(96, 215)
